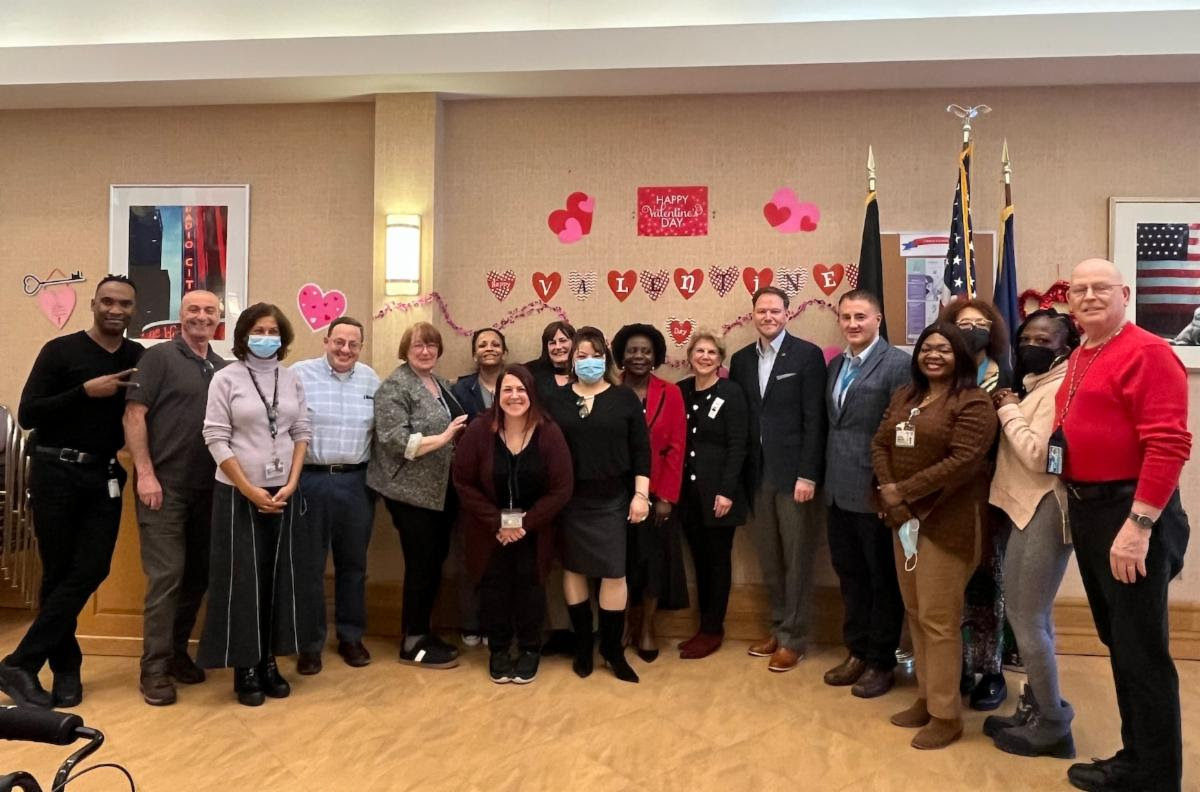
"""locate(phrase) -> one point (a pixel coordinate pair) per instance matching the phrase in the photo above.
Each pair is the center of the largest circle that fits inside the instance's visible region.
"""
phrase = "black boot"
(273, 683)
(1043, 735)
(989, 692)
(248, 686)
(1026, 705)
(581, 622)
(611, 625)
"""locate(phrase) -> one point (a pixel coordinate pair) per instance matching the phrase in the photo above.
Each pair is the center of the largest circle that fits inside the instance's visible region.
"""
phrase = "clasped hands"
(507, 536)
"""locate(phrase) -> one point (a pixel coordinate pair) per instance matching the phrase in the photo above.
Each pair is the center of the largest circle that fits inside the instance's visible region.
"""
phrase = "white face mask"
(908, 541)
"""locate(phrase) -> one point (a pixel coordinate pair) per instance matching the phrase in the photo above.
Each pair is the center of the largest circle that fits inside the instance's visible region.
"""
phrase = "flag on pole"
(1004, 297)
(870, 257)
(960, 256)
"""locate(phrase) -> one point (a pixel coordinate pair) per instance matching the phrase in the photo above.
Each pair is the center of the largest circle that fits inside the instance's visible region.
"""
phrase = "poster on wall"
(672, 211)
(173, 239)
(922, 294)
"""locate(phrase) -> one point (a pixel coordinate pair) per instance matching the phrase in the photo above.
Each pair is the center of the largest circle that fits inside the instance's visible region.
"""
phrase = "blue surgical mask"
(908, 541)
(589, 370)
(263, 346)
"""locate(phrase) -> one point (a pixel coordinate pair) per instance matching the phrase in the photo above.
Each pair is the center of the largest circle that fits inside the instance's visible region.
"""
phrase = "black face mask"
(977, 339)
(1035, 359)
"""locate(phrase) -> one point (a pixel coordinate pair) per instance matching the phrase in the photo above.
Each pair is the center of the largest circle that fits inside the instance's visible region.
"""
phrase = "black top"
(612, 441)
(544, 380)
(718, 425)
(53, 402)
(523, 474)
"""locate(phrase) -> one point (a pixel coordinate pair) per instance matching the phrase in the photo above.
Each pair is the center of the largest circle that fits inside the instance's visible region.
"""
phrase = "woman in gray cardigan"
(416, 422)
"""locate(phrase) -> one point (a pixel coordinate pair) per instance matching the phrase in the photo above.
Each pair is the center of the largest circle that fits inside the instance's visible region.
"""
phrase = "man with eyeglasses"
(1122, 437)
(174, 483)
(340, 392)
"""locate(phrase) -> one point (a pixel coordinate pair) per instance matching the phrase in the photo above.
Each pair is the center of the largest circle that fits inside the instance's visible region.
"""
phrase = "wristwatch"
(1144, 520)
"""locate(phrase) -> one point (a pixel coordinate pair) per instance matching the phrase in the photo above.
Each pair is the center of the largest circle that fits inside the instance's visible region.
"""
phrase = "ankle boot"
(1026, 705)
(273, 683)
(914, 717)
(611, 624)
(581, 622)
(1044, 734)
(938, 734)
(248, 686)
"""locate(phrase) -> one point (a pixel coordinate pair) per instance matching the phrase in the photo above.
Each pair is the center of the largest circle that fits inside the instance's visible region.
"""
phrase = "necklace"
(1075, 382)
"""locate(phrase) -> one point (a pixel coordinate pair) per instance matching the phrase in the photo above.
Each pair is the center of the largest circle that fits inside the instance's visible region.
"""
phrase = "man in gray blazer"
(860, 384)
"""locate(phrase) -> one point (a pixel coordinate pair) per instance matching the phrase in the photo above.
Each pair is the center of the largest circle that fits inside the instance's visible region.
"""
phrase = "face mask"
(908, 541)
(1035, 359)
(977, 339)
(589, 370)
(263, 346)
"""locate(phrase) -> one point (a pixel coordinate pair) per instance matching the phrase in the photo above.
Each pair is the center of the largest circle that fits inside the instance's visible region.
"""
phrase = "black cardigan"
(716, 448)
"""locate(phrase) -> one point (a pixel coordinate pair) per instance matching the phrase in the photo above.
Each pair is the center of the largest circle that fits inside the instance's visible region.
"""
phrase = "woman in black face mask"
(1033, 501)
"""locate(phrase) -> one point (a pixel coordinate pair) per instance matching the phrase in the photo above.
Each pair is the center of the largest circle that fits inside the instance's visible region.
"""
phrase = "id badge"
(1056, 453)
(512, 518)
(114, 488)
(906, 435)
(716, 407)
(273, 469)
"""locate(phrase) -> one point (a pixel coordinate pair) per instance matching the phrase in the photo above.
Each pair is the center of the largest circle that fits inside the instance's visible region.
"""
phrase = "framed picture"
(172, 239)
(1155, 242)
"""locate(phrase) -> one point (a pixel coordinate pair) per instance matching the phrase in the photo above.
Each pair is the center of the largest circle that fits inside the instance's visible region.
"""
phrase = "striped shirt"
(342, 409)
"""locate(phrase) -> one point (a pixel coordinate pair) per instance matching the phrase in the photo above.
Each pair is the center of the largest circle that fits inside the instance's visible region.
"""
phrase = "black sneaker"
(526, 668)
(67, 690)
(429, 654)
(23, 687)
(500, 666)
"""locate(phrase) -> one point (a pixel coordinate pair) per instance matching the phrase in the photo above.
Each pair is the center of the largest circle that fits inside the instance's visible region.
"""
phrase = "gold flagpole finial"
(1006, 163)
(870, 169)
(966, 114)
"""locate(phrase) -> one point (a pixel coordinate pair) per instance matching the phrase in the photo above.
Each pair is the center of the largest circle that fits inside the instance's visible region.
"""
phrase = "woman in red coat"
(655, 554)
(512, 470)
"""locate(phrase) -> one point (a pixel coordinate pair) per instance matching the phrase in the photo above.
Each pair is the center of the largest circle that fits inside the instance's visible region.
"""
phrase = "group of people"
(952, 484)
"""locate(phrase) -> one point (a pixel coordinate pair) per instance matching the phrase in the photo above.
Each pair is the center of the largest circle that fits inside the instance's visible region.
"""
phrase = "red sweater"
(1128, 419)
(668, 437)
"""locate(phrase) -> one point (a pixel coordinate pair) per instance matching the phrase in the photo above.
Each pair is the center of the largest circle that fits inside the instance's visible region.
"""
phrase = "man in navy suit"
(784, 381)
(860, 385)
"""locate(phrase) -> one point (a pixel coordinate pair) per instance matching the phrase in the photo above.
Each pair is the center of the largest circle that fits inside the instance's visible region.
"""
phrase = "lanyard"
(273, 407)
(514, 468)
(1074, 382)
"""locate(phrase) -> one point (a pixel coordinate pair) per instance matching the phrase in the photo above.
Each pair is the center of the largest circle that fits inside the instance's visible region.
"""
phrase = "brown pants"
(933, 599)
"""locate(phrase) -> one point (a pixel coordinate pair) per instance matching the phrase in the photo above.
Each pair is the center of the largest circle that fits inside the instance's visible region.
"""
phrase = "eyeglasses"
(354, 346)
(970, 324)
(1097, 289)
(421, 346)
(581, 403)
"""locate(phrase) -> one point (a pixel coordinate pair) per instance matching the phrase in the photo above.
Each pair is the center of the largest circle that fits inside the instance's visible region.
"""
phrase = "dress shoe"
(309, 663)
(764, 648)
(785, 659)
(847, 672)
(873, 683)
(914, 717)
(247, 684)
(685, 644)
(989, 692)
(647, 655)
(157, 689)
(702, 645)
(939, 733)
(273, 683)
(1102, 775)
(67, 690)
(185, 670)
(23, 687)
(354, 653)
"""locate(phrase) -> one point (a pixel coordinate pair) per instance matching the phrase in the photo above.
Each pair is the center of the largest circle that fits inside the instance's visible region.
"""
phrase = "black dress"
(717, 436)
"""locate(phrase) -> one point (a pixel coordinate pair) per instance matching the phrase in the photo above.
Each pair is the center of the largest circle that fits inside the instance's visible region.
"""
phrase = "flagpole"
(1006, 164)
(966, 114)
(870, 170)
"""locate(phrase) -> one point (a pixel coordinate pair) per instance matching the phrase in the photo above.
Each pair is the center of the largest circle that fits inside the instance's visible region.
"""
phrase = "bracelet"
(642, 495)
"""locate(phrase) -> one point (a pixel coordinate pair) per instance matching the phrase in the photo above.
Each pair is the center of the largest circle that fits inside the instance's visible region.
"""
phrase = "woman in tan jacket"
(1034, 501)
(930, 459)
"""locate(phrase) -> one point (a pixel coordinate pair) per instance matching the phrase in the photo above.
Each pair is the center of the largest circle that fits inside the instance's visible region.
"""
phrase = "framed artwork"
(172, 239)
(1156, 244)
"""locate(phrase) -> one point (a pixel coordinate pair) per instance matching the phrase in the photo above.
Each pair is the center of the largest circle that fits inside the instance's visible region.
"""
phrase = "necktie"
(849, 374)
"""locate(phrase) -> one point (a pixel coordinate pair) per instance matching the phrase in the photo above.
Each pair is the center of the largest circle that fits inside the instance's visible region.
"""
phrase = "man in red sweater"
(1122, 412)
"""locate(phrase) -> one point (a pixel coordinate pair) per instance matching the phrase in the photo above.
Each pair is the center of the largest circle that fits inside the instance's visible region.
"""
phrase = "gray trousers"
(1033, 569)
(786, 535)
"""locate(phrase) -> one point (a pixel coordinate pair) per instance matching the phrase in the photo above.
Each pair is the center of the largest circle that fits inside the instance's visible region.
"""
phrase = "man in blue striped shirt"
(340, 393)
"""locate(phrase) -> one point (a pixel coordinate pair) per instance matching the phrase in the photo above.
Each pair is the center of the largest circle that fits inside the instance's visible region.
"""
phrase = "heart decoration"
(57, 303)
(776, 215)
(792, 279)
(654, 283)
(319, 307)
(755, 279)
(575, 222)
(828, 278)
(581, 284)
(545, 286)
(680, 330)
(621, 283)
(787, 214)
(1055, 295)
(852, 275)
(722, 278)
(501, 283)
(687, 282)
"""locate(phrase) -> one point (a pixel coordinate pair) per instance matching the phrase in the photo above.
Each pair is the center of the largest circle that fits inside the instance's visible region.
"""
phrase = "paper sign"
(925, 244)
(672, 211)
(922, 294)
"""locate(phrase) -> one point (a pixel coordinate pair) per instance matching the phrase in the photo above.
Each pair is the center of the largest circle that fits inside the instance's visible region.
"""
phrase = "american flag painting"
(1168, 276)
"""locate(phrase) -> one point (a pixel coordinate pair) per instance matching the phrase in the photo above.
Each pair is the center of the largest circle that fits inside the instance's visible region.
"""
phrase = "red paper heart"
(580, 206)
(680, 331)
(622, 283)
(776, 215)
(558, 220)
(828, 278)
(544, 286)
(501, 283)
(688, 288)
(807, 224)
(756, 279)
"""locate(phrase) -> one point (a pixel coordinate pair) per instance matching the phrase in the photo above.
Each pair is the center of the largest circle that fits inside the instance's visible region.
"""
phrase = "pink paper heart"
(572, 231)
(319, 307)
(588, 206)
(57, 303)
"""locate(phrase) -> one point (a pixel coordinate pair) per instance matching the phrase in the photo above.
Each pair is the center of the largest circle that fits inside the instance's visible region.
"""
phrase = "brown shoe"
(308, 663)
(938, 734)
(914, 717)
(702, 645)
(157, 689)
(764, 648)
(873, 683)
(785, 659)
(354, 653)
(847, 673)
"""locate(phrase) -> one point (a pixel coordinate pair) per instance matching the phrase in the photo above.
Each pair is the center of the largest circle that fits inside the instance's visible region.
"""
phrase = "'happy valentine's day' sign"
(672, 211)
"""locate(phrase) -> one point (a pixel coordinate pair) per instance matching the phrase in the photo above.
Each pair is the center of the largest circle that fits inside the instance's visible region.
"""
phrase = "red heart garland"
(722, 278)
(680, 330)
(756, 279)
(654, 283)
(621, 283)
(828, 278)
(688, 283)
(501, 283)
(544, 286)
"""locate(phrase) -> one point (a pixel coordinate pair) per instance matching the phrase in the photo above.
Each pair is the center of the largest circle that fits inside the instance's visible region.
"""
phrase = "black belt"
(1102, 490)
(70, 455)
(335, 468)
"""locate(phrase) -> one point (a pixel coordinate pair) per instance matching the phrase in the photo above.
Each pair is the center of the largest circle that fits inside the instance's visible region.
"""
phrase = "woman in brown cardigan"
(930, 458)
(512, 470)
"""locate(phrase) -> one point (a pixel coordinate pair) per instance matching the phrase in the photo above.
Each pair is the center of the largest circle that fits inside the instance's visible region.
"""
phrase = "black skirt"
(591, 532)
(655, 559)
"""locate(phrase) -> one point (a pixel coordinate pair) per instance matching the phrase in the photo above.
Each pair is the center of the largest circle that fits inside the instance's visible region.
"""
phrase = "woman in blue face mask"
(610, 449)
(257, 429)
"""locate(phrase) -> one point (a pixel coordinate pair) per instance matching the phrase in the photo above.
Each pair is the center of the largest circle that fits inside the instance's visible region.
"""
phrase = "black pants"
(512, 598)
(1131, 619)
(76, 525)
(860, 546)
(425, 541)
(712, 547)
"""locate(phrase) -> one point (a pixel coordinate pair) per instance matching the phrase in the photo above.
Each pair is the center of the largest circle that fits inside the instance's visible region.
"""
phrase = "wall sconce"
(402, 263)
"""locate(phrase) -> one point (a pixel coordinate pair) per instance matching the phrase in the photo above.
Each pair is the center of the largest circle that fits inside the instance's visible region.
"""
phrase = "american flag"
(960, 255)
(1168, 275)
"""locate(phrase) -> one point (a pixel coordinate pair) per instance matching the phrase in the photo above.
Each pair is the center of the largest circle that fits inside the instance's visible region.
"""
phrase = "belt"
(1102, 490)
(69, 455)
(335, 468)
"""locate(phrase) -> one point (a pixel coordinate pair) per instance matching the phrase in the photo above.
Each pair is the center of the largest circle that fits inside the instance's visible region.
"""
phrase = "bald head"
(199, 316)
(1098, 296)
(1098, 267)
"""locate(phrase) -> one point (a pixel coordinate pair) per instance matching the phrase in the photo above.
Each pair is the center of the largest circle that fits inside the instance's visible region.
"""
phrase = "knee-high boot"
(581, 623)
(611, 624)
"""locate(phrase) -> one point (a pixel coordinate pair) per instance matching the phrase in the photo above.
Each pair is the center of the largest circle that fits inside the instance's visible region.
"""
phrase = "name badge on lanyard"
(716, 407)
(906, 432)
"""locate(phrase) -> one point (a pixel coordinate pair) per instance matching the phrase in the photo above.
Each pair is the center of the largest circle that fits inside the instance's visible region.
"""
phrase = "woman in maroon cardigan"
(512, 470)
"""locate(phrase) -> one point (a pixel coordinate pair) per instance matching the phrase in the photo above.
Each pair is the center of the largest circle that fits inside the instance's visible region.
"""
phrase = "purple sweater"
(235, 424)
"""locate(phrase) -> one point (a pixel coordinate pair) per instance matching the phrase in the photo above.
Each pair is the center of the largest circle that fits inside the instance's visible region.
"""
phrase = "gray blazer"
(848, 474)
(405, 412)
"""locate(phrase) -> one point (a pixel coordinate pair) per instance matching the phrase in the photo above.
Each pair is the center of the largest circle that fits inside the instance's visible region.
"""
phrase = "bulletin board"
(895, 280)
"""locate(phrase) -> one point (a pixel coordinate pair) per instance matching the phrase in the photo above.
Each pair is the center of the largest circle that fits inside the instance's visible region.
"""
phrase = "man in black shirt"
(73, 402)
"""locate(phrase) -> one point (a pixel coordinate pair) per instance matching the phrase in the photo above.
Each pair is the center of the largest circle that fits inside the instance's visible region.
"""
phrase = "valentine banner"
(672, 211)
